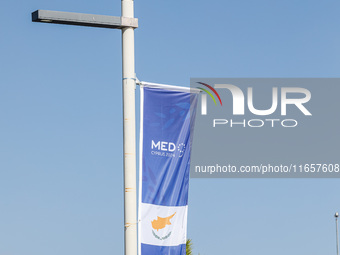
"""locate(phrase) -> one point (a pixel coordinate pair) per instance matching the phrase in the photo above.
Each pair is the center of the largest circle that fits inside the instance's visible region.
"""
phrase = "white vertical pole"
(129, 85)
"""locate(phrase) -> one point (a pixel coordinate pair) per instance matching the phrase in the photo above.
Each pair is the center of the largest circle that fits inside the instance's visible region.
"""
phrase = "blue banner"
(167, 118)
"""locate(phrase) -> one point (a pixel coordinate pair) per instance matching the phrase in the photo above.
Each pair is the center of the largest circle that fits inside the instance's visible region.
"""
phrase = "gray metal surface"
(81, 19)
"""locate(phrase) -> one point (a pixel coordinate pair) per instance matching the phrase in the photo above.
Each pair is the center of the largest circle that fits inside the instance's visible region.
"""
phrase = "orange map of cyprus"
(161, 223)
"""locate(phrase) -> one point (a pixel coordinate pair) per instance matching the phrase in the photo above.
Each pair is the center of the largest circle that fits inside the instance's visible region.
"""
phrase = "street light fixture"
(82, 19)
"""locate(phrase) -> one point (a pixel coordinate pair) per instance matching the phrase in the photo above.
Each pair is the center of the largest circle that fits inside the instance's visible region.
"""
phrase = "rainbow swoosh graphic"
(209, 93)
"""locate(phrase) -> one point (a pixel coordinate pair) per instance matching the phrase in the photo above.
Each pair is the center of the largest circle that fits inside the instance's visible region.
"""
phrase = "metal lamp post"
(127, 23)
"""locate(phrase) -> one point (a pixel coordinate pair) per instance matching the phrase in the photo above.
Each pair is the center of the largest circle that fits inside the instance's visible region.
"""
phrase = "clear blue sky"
(61, 130)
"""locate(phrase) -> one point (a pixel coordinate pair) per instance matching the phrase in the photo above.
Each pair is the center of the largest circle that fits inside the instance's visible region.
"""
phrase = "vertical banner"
(167, 118)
